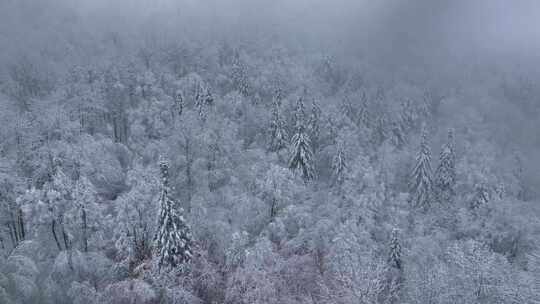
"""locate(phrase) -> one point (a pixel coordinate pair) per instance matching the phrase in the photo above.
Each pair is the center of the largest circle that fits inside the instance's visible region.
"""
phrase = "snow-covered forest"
(269, 151)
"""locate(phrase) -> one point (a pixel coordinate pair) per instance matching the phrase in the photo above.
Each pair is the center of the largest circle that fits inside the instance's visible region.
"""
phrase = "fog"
(480, 28)
(269, 151)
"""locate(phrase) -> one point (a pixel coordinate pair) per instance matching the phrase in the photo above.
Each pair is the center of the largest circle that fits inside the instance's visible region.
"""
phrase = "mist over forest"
(255, 151)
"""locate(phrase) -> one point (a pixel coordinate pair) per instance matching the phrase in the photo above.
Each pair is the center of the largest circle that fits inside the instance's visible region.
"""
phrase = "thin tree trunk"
(84, 230)
(188, 172)
(22, 233)
(2, 245)
(273, 209)
(136, 244)
(65, 237)
(67, 244)
(12, 235)
(15, 227)
(53, 228)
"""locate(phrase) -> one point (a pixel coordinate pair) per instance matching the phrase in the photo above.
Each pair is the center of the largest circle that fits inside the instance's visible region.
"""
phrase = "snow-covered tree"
(117, 98)
(302, 154)
(394, 275)
(11, 214)
(239, 76)
(275, 188)
(203, 99)
(518, 173)
(380, 132)
(394, 258)
(278, 132)
(88, 209)
(136, 214)
(480, 197)
(339, 166)
(421, 183)
(313, 125)
(399, 134)
(53, 207)
(357, 275)
(178, 102)
(256, 280)
(445, 175)
(173, 236)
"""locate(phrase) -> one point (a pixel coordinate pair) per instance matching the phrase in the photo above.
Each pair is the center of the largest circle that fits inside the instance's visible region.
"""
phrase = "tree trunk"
(273, 209)
(84, 230)
(189, 176)
(53, 228)
(12, 235)
(22, 232)
(2, 245)
(65, 236)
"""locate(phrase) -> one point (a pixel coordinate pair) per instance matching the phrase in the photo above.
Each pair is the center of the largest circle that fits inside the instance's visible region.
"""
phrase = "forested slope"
(184, 161)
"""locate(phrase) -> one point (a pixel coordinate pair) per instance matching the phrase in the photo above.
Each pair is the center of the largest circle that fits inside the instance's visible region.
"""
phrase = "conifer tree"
(173, 236)
(394, 258)
(239, 76)
(518, 173)
(199, 102)
(445, 175)
(179, 102)
(480, 198)
(203, 99)
(391, 290)
(278, 133)
(302, 155)
(339, 166)
(421, 183)
(314, 123)
(399, 134)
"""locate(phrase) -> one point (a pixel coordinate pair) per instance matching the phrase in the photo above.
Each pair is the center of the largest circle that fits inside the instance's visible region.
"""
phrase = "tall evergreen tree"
(480, 198)
(239, 76)
(445, 175)
(394, 279)
(179, 102)
(314, 124)
(399, 137)
(394, 258)
(380, 133)
(518, 173)
(203, 99)
(278, 133)
(421, 183)
(302, 154)
(173, 236)
(339, 166)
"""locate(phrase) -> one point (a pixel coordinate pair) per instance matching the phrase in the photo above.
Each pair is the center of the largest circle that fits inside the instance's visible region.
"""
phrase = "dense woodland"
(165, 158)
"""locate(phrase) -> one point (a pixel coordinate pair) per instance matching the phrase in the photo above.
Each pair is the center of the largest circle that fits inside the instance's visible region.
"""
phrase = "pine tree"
(445, 175)
(173, 237)
(394, 279)
(278, 133)
(199, 102)
(480, 198)
(302, 155)
(203, 99)
(421, 183)
(314, 123)
(394, 258)
(380, 133)
(518, 173)
(399, 134)
(179, 102)
(239, 76)
(339, 166)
